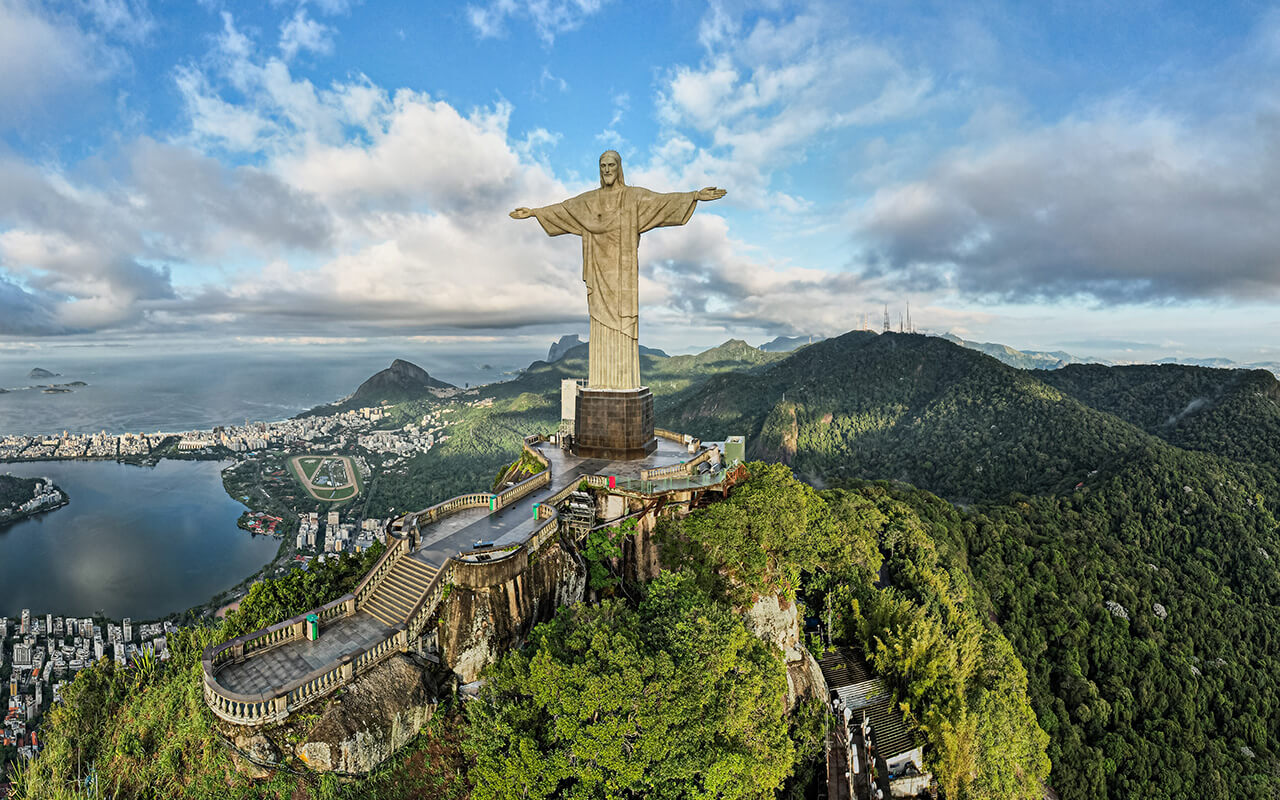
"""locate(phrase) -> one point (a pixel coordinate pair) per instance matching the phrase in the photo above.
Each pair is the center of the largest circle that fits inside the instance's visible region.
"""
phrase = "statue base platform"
(616, 424)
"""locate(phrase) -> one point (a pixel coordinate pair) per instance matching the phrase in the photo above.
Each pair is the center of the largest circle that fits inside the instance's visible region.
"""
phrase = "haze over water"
(132, 391)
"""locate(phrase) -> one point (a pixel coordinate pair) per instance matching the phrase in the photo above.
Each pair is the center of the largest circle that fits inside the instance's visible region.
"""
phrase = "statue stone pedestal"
(616, 424)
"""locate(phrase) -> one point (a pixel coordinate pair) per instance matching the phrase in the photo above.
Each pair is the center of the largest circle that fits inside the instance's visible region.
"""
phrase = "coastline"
(6, 519)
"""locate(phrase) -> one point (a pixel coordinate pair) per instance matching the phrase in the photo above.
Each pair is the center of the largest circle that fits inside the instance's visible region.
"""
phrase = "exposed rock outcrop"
(560, 348)
(377, 715)
(775, 621)
(478, 623)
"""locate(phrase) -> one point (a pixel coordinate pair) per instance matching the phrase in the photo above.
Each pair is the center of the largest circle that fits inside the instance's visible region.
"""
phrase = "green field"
(328, 478)
(307, 466)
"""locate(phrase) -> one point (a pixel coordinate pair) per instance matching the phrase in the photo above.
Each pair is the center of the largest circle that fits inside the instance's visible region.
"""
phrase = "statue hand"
(711, 193)
(521, 213)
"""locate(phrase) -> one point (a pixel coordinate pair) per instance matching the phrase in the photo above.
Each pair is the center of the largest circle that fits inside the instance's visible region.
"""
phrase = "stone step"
(385, 617)
(406, 583)
(411, 595)
(417, 567)
(401, 605)
(393, 607)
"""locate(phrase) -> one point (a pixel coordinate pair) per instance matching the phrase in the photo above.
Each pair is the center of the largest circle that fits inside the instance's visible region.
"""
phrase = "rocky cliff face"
(560, 348)
(353, 731)
(478, 624)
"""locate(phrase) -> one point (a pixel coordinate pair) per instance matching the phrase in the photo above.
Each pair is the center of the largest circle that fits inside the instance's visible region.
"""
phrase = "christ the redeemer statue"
(610, 220)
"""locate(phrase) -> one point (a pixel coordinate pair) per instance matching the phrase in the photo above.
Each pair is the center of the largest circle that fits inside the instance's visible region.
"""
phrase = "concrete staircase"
(400, 591)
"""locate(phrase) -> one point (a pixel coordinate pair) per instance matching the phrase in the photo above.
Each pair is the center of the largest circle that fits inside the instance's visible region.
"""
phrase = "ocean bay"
(137, 390)
(142, 542)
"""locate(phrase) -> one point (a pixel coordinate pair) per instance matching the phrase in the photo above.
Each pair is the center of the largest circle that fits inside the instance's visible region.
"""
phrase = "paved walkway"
(291, 661)
(448, 537)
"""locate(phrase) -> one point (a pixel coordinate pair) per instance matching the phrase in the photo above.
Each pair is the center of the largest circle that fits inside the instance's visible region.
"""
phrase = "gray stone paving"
(448, 537)
(291, 661)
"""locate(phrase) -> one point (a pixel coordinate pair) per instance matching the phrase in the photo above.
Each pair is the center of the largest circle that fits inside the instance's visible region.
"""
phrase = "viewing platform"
(264, 676)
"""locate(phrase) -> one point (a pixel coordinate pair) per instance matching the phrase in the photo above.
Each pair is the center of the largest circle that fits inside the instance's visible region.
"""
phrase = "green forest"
(1120, 520)
(657, 690)
(1069, 578)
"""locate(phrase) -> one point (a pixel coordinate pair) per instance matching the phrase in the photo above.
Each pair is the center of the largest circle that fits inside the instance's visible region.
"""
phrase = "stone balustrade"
(396, 548)
(682, 469)
(274, 705)
(533, 482)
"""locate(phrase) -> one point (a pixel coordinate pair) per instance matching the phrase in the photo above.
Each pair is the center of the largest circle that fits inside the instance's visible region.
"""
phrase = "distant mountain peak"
(402, 380)
(570, 341)
(562, 347)
(785, 344)
(1024, 359)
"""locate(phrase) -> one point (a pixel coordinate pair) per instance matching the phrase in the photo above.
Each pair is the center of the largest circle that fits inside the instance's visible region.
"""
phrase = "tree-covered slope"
(887, 572)
(1231, 412)
(1145, 609)
(15, 490)
(1132, 561)
(912, 408)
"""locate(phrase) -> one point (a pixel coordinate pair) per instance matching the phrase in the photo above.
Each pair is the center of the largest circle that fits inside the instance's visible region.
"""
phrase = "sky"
(1098, 177)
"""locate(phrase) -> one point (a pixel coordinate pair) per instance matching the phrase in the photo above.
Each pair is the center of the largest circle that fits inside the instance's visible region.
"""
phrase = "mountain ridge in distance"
(1118, 518)
(560, 348)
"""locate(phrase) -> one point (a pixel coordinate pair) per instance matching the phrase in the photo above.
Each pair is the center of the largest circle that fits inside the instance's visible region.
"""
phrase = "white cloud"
(549, 18)
(43, 54)
(1120, 205)
(548, 79)
(130, 20)
(301, 33)
(770, 92)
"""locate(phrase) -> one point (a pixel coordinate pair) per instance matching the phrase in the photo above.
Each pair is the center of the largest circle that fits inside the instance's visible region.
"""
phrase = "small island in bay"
(25, 497)
(40, 373)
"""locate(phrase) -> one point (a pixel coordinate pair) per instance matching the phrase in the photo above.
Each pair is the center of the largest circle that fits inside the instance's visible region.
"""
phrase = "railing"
(547, 530)
(669, 435)
(683, 468)
(396, 548)
(453, 505)
(422, 612)
(559, 497)
(533, 482)
(276, 704)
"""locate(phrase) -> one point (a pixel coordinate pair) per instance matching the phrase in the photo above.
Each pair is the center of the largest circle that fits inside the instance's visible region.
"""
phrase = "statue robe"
(610, 222)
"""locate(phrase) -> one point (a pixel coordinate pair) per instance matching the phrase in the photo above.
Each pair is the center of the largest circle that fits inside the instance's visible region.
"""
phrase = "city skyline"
(1093, 179)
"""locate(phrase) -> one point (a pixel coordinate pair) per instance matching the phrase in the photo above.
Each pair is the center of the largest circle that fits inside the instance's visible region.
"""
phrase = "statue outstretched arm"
(705, 195)
(555, 219)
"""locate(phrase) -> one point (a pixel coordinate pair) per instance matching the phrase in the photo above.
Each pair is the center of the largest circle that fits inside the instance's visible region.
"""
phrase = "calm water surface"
(141, 542)
(131, 392)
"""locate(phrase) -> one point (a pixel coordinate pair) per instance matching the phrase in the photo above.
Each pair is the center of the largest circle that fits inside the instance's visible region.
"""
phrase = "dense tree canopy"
(671, 699)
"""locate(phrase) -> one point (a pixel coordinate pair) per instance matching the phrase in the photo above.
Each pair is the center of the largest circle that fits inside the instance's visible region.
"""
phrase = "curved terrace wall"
(276, 704)
(402, 538)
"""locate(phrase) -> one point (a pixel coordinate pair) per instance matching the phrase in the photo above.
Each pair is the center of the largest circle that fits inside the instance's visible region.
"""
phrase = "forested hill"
(913, 408)
(1231, 412)
(1133, 563)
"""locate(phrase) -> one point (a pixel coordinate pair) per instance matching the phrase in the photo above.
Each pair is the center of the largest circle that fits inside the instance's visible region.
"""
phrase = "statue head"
(611, 169)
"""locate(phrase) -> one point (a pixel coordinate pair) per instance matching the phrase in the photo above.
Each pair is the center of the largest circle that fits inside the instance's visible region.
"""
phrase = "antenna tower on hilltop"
(886, 317)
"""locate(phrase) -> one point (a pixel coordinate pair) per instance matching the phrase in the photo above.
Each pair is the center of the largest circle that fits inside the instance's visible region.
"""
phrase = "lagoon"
(140, 542)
